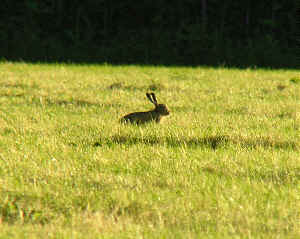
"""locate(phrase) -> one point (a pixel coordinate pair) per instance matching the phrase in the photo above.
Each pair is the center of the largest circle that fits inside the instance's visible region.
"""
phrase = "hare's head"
(159, 108)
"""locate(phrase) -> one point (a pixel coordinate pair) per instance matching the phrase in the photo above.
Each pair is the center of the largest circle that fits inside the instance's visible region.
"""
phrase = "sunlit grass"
(224, 164)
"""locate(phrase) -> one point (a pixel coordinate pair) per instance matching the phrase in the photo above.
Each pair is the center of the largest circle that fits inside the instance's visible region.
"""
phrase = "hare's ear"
(149, 97)
(154, 98)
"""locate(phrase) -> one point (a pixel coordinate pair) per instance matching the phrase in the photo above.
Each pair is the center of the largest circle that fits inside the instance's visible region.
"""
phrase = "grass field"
(224, 164)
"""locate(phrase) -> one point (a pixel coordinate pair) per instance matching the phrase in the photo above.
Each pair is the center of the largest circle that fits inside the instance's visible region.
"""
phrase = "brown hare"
(156, 114)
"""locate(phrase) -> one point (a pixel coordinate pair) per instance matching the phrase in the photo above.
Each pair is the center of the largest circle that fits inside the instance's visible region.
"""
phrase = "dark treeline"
(190, 32)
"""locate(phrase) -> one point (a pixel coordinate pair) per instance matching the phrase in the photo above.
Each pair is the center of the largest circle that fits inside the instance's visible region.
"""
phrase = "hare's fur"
(156, 114)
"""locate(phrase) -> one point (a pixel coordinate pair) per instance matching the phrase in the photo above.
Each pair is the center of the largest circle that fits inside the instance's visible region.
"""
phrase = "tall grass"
(224, 164)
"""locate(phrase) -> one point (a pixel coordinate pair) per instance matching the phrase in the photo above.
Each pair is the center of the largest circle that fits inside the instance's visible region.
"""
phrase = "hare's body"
(156, 114)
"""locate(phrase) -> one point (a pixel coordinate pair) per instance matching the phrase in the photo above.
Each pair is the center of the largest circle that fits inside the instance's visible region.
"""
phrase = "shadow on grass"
(149, 87)
(57, 102)
(18, 85)
(75, 102)
(23, 208)
(278, 176)
(12, 95)
(212, 142)
(51, 101)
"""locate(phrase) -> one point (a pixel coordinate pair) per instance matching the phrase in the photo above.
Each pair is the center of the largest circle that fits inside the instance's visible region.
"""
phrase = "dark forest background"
(191, 32)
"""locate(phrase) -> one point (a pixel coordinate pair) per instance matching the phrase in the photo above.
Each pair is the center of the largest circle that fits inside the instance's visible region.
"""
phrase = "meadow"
(224, 164)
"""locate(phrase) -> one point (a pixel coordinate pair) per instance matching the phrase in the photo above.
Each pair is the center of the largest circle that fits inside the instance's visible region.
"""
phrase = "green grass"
(224, 164)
